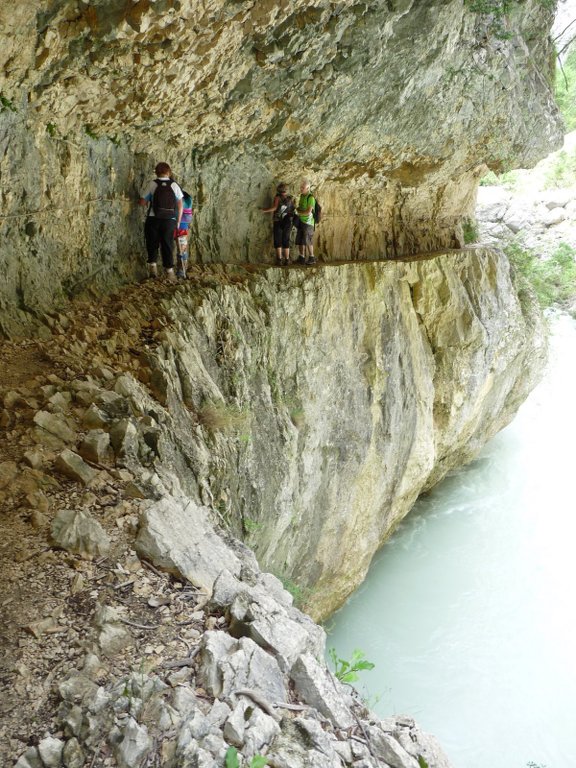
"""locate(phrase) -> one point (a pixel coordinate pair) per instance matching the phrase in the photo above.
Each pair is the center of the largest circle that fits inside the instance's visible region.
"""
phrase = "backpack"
(285, 208)
(164, 200)
(187, 208)
(317, 210)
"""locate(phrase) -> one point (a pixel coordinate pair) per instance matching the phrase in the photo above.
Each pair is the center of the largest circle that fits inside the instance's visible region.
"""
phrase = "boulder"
(95, 418)
(557, 198)
(73, 755)
(315, 685)
(268, 625)
(8, 473)
(75, 531)
(176, 535)
(228, 666)
(134, 745)
(96, 447)
(30, 759)
(518, 217)
(50, 750)
(492, 203)
(73, 466)
(56, 425)
(124, 439)
(555, 216)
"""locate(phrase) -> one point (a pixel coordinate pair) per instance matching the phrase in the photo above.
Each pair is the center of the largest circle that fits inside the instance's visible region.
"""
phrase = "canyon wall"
(308, 409)
(393, 110)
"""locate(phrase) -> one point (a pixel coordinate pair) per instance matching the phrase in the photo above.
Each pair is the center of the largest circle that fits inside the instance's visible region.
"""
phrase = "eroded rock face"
(394, 110)
(310, 408)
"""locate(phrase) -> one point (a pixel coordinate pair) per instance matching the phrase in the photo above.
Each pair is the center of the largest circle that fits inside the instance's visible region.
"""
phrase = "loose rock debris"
(109, 660)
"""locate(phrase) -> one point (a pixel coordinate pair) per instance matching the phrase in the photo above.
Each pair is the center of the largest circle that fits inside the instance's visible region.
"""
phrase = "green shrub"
(508, 179)
(566, 90)
(6, 103)
(553, 279)
(299, 594)
(562, 172)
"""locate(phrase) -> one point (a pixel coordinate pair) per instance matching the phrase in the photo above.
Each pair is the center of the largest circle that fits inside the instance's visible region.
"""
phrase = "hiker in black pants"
(163, 197)
(283, 210)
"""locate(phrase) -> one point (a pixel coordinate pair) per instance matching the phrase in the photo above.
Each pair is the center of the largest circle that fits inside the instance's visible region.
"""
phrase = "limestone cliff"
(309, 408)
(303, 410)
(393, 108)
(328, 401)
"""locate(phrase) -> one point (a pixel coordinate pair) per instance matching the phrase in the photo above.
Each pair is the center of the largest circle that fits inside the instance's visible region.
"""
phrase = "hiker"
(283, 210)
(305, 229)
(163, 197)
(181, 235)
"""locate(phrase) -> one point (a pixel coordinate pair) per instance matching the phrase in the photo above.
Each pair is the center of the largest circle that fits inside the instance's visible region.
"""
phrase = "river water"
(469, 611)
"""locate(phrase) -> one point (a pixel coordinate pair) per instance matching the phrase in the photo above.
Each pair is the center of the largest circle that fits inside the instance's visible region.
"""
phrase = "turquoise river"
(469, 611)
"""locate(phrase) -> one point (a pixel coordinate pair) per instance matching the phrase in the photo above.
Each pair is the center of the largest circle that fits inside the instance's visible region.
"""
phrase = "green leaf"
(259, 761)
(232, 758)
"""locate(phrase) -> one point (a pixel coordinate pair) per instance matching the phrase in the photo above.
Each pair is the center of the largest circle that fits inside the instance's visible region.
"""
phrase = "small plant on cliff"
(221, 417)
(299, 594)
(562, 173)
(470, 231)
(89, 131)
(250, 525)
(232, 761)
(6, 104)
(347, 671)
(507, 179)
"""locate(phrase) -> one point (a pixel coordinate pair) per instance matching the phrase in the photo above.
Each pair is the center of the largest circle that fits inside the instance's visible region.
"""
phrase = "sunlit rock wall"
(309, 409)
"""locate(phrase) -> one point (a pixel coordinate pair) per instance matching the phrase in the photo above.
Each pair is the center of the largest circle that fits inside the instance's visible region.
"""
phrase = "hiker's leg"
(309, 242)
(182, 251)
(152, 237)
(301, 243)
(277, 236)
(286, 230)
(167, 228)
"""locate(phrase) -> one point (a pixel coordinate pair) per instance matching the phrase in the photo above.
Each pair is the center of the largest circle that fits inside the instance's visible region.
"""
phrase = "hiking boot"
(170, 276)
(181, 273)
(301, 260)
(311, 261)
(152, 270)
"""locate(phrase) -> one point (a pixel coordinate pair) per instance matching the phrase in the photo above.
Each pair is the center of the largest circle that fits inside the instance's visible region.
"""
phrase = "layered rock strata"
(393, 109)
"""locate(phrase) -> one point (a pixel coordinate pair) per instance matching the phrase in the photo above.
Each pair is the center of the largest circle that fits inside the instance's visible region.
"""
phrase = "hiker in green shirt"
(305, 234)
